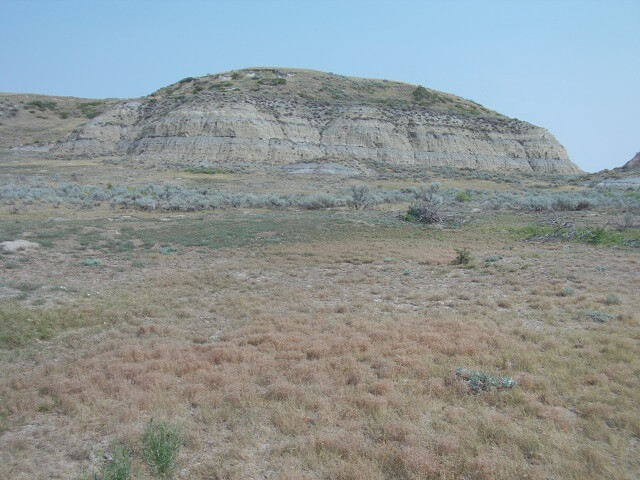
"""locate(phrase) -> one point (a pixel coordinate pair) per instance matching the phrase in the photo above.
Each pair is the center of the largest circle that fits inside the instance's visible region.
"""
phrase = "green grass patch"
(591, 236)
(161, 442)
(272, 81)
(463, 197)
(221, 85)
(117, 467)
(422, 95)
(20, 326)
(229, 229)
(41, 105)
(207, 170)
(601, 236)
(91, 109)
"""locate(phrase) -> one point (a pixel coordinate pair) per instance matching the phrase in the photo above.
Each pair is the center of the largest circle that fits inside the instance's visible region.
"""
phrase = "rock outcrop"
(632, 165)
(288, 116)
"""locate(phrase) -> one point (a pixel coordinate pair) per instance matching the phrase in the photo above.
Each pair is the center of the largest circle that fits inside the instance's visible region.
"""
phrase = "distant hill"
(632, 165)
(283, 116)
(37, 121)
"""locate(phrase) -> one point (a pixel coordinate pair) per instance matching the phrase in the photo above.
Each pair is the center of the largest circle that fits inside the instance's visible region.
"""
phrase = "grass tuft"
(161, 441)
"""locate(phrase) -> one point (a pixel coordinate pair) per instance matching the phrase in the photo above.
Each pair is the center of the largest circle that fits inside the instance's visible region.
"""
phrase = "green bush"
(463, 257)
(426, 205)
(463, 197)
(612, 300)
(161, 442)
(601, 236)
(420, 93)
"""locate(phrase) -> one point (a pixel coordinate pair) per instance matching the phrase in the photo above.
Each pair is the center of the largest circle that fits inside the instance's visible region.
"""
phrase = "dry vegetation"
(31, 121)
(316, 345)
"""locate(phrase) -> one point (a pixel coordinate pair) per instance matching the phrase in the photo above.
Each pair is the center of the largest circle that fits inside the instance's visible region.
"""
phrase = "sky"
(572, 67)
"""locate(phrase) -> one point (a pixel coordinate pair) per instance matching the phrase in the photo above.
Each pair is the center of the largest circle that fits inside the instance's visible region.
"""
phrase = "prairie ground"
(322, 344)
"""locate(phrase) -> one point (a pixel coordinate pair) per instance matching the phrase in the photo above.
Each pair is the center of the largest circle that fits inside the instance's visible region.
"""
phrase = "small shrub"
(92, 262)
(463, 197)
(421, 94)
(161, 442)
(463, 257)
(360, 197)
(612, 300)
(479, 380)
(168, 250)
(426, 205)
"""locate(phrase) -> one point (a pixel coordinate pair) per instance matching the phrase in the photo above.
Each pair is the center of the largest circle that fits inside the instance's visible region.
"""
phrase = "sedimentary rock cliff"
(632, 165)
(282, 116)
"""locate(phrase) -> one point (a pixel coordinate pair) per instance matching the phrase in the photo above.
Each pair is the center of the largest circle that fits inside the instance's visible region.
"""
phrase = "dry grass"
(307, 345)
(333, 359)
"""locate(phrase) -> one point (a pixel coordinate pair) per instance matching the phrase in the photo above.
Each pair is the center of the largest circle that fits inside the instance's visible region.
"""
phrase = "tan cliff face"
(282, 116)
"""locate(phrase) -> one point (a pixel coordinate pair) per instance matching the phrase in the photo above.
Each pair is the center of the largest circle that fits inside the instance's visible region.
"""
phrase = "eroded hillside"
(282, 116)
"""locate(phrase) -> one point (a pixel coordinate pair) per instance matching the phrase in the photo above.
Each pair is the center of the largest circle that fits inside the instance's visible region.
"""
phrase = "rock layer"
(198, 121)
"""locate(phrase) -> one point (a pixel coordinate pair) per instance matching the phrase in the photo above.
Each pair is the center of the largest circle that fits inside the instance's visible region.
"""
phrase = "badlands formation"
(287, 116)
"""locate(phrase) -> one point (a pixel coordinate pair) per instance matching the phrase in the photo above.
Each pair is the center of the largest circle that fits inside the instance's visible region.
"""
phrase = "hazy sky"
(572, 67)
